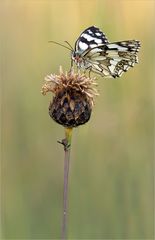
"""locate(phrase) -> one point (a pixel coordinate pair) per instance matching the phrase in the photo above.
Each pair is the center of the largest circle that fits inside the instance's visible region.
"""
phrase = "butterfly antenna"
(62, 45)
(69, 45)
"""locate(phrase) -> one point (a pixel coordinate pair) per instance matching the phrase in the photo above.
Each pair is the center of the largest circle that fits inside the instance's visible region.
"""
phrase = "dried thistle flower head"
(73, 97)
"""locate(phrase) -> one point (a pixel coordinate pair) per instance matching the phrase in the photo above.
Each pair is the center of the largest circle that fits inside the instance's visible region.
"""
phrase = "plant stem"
(67, 146)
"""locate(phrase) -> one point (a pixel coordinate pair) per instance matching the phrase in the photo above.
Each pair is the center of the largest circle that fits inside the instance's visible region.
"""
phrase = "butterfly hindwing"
(112, 59)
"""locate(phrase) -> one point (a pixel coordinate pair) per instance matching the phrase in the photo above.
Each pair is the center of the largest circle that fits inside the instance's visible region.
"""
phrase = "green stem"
(67, 146)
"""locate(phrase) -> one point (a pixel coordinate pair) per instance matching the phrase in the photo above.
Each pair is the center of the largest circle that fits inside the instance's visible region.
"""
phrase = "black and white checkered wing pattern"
(112, 59)
(90, 38)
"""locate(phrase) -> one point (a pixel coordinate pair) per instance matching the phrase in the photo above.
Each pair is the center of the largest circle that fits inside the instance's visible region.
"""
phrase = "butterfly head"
(76, 57)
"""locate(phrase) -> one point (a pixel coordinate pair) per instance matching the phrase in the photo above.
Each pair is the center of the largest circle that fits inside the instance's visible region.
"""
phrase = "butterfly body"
(94, 52)
(80, 61)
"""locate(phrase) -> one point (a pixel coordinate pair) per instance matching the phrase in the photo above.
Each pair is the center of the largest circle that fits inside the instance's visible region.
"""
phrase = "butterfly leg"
(89, 69)
(90, 72)
(71, 67)
(71, 63)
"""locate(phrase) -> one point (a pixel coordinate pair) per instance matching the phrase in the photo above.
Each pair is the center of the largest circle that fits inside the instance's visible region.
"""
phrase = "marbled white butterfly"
(93, 51)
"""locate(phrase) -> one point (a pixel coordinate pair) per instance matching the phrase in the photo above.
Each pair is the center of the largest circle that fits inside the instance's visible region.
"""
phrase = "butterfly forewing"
(91, 37)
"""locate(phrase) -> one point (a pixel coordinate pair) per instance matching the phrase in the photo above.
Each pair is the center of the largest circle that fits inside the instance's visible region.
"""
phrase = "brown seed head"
(73, 97)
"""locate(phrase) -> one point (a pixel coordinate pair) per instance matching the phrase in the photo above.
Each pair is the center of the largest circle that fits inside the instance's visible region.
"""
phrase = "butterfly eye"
(74, 55)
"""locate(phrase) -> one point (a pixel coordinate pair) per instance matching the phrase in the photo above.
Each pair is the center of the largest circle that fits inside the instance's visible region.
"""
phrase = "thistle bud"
(73, 97)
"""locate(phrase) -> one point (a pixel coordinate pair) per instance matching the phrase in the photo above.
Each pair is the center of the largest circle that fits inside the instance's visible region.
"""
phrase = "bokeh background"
(111, 171)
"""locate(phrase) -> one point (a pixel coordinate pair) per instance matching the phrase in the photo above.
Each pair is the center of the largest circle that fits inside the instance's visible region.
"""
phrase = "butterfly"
(95, 53)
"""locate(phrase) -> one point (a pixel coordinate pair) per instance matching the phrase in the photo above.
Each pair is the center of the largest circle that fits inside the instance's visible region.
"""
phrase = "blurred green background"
(111, 171)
